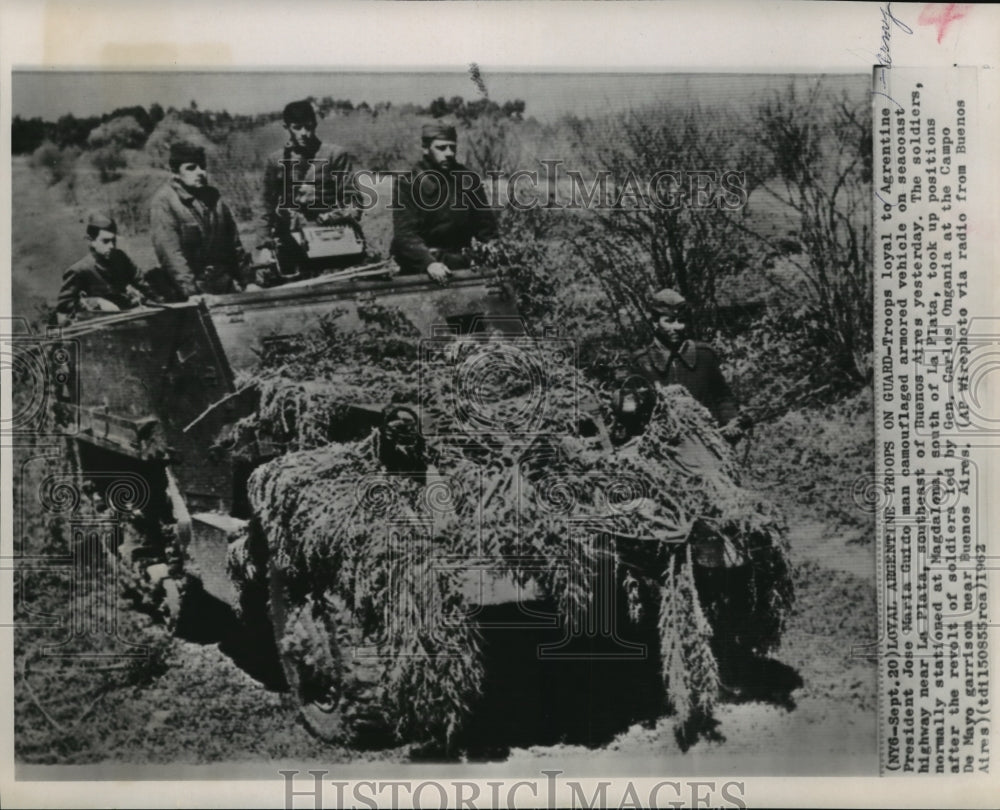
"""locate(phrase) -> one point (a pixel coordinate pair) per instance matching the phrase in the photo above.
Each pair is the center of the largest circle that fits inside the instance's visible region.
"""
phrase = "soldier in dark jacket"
(440, 208)
(306, 181)
(103, 280)
(722, 584)
(194, 232)
(673, 360)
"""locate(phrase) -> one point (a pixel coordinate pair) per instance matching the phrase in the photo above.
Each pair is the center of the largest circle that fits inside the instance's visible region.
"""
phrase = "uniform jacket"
(338, 185)
(694, 365)
(98, 279)
(194, 233)
(449, 227)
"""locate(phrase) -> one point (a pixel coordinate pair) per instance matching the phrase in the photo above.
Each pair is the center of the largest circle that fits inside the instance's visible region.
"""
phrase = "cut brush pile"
(513, 473)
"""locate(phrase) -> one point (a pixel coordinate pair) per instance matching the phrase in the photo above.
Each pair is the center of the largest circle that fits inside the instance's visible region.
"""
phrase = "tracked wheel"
(337, 689)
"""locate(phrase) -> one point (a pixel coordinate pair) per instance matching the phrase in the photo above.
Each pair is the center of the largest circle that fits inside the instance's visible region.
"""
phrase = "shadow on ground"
(538, 690)
(251, 647)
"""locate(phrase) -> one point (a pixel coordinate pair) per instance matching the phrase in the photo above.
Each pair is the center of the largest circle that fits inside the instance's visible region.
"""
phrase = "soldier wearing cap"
(672, 359)
(194, 232)
(105, 280)
(440, 208)
(306, 181)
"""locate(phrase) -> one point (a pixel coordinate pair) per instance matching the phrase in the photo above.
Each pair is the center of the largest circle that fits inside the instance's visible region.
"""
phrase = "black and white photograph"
(472, 420)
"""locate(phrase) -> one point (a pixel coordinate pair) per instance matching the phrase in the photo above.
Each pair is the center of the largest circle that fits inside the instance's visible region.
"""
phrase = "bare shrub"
(109, 142)
(537, 254)
(657, 233)
(120, 133)
(130, 206)
(492, 145)
(806, 162)
(109, 161)
(818, 151)
(59, 163)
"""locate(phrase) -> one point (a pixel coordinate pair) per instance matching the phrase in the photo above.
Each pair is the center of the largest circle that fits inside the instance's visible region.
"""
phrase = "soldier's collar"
(181, 189)
(426, 164)
(687, 354)
(208, 194)
(99, 261)
(308, 152)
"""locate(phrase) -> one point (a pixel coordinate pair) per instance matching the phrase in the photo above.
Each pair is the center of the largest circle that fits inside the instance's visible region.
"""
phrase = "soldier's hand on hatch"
(439, 272)
(251, 287)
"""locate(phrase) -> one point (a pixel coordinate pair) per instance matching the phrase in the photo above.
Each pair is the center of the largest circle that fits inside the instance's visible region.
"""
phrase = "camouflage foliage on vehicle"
(342, 523)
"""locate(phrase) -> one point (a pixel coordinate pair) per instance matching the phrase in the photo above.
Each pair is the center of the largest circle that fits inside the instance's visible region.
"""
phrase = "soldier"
(672, 360)
(306, 181)
(724, 576)
(105, 280)
(440, 209)
(194, 232)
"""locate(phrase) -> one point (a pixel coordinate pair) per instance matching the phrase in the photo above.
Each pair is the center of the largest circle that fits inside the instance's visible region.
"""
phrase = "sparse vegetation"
(679, 230)
(108, 160)
(799, 248)
(58, 163)
(818, 153)
(120, 133)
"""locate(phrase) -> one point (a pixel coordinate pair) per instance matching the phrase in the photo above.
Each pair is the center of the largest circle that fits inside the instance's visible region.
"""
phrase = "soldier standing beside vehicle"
(671, 359)
(439, 210)
(306, 181)
(194, 232)
(723, 573)
(105, 280)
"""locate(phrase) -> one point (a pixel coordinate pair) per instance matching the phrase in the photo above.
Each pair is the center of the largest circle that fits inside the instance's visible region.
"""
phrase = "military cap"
(438, 131)
(183, 152)
(96, 221)
(299, 112)
(666, 300)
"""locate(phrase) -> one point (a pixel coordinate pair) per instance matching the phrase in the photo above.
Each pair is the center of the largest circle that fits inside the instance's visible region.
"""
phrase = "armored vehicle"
(157, 386)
